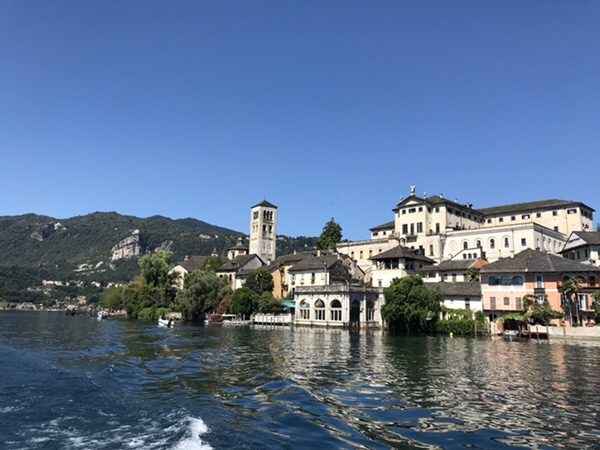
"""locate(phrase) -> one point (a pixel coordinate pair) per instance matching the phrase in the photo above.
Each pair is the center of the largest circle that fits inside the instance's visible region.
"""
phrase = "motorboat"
(226, 320)
(166, 323)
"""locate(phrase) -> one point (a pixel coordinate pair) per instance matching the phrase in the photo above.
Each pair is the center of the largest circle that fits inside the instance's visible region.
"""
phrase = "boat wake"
(192, 439)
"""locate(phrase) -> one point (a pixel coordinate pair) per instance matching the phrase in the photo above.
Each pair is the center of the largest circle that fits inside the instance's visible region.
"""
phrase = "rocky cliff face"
(129, 247)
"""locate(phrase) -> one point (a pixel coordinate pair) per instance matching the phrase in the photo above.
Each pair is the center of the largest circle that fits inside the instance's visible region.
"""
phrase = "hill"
(102, 247)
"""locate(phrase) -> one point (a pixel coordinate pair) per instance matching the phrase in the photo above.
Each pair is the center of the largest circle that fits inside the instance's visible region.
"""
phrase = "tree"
(112, 298)
(202, 291)
(260, 281)
(244, 301)
(138, 295)
(155, 272)
(597, 305)
(269, 304)
(330, 237)
(570, 289)
(473, 274)
(538, 313)
(411, 306)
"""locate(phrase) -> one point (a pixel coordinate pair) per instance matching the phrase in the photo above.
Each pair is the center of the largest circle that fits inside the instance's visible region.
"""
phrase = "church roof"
(266, 204)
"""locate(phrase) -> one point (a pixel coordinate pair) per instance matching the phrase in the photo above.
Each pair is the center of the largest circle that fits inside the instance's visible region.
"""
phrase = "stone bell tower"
(263, 230)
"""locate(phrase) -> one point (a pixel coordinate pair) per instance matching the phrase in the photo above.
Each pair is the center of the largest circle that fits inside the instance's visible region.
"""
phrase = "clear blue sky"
(325, 108)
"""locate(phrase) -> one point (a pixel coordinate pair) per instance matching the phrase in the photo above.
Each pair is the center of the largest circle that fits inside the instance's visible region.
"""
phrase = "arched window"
(506, 280)
(370, 310)
(506, 242)
(493, 281)
(370, 253)
(592, 280)
(492, 243)
(465, 245)
(336, 311)
(304, 310)
(517, 281)
(320, 310)
(478, 244)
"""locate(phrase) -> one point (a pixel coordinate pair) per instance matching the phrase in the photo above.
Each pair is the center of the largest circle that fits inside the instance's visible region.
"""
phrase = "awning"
(290, 304)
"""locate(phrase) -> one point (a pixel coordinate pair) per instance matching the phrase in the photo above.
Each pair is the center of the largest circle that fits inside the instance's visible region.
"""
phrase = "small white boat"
(233, 320)
(102, 315)
(166, 323)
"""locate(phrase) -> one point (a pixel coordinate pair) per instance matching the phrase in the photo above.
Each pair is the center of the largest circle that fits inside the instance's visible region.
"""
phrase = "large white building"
(442, 229)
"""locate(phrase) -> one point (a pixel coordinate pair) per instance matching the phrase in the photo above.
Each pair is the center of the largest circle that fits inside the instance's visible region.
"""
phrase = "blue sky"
(325, 108)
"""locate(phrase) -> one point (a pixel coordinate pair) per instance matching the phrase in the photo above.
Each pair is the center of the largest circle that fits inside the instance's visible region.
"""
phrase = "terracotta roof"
(266, 204)
(530, 206)
(466, 289)
(534, 261)
(385, 226)
(401, 252)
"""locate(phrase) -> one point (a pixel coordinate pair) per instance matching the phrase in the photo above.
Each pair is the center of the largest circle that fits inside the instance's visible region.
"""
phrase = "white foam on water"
(192, 441)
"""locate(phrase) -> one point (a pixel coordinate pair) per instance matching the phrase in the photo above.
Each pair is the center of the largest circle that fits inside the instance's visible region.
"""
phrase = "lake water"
(75, 383)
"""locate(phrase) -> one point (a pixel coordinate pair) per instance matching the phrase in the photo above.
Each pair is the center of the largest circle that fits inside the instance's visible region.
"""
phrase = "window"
(375, 233)
(312, 278)
(412, 229)
(519, 303)
(492, 303)
(465, 245)
(555, 213)
(370, 310)
(538, 215)
(517, 281)
(403, 211)
(489, 221)
(539, 281)
(467, 303)
(501, 219)
(506, 301)
(513, 218)
(420, 208)
(420, 227)
(524, 242)
(525, 216)
(437, 209)
(411, 210)
(320, 310)
(431, 250)
(572, 211)
(404, 229)
(304, 310)
(492, 243)
(437, 228)
(586, 252)
(454, 278)
(336, 311)
(478, 244)
(506, 281)
(493, 281)
(555, 228)
(506, 242)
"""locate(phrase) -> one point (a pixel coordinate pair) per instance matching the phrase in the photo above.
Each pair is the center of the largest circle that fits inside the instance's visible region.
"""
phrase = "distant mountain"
(104, 246)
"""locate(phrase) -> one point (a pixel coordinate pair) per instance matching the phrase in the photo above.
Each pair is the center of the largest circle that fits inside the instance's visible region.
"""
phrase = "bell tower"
(263, 230)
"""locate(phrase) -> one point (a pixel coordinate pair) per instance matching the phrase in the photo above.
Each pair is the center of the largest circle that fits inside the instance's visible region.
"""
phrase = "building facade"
(263, 231)
(583, 246)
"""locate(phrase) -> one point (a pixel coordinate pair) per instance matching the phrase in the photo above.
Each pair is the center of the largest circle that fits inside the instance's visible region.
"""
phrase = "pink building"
(504, 283)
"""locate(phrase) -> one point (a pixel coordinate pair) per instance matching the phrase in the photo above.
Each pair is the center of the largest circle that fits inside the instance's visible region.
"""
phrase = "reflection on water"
(70, 381)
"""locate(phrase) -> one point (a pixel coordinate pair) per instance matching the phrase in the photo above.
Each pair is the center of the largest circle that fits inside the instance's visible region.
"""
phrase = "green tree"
(411, 306)
(244, 301)
(138, 295)
(473, 274)
(112, 298)
(202, 291)
(260, 281)
(538, 313)
(597, 305)
(331, 236)
(155, 272)
(570, 289)
(269, 304)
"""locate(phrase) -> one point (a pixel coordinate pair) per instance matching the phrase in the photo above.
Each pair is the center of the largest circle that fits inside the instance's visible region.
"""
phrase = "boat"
(166, 323)
(226, 320)
(102, 315)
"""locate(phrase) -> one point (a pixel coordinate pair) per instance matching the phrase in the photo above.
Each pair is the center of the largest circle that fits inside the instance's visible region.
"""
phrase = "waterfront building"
(451, 271)
(280, 271)
(263, 231)
(583, 246)
(338, 305)
(506, 282)
(237, 269)
(397, 262)
(443, 229)
(460, 294)
(184, 268)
